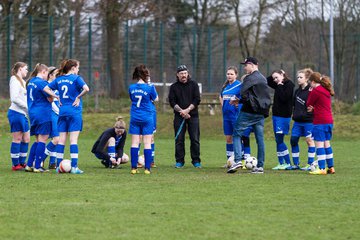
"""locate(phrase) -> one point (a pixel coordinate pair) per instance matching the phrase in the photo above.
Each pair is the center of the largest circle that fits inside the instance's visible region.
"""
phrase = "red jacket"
(320, 99)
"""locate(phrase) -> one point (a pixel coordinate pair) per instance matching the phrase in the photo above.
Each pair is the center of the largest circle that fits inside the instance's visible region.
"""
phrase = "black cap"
(181, 68)
(250, 60)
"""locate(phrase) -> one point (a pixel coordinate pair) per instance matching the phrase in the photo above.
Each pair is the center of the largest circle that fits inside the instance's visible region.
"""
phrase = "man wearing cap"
(184, 98)
(255, 97)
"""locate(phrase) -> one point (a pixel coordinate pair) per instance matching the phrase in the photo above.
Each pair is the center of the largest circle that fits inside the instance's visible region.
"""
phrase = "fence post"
(224, 51)
(71, 37)
(51, 40)
(194, 52)
(30, 42)
(8, 41)
(161, 51)
(177, 45)
(126, 55)
(90, 52)
(145, 42)
(294, 73)
(320, 39)
(209, 78)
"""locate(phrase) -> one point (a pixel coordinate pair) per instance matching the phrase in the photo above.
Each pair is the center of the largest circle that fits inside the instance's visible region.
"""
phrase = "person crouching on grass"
(109, 147)
(141, 117)
(319, 102)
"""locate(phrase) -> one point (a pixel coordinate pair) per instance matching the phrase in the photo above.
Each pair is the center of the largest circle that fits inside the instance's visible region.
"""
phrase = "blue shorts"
(41, 129)
(228, 126)
(70, 123)
(281, 125)
(141, 128)
(302, 129)
(322, 132)
(54, 125)
(18, 121)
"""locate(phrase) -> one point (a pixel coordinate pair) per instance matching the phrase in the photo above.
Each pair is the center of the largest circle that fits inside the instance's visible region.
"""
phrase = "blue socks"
(311, 155)
(40, 149)
(74, 154)
(282, 150)
(229, 150)
(152, 152)
(59, 154)
(321, 157)
(15, 153)
(23, 152)
(111, 151)
(329, 157)
(32, 154)
(134, 155)
(148, 159)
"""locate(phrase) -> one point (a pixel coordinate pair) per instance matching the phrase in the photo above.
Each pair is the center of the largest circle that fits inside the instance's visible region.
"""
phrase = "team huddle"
(52, 99)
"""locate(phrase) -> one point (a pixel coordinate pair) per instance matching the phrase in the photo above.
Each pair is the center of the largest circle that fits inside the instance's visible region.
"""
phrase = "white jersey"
(18, 96)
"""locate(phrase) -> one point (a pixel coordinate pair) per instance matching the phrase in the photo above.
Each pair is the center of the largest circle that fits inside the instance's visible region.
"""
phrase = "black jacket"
(283, 98)
(255, 94)
(184, 94)
(100, 149)
(300, 113)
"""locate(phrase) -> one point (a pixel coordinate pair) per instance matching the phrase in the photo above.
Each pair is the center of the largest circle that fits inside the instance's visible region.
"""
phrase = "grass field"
(184, 203)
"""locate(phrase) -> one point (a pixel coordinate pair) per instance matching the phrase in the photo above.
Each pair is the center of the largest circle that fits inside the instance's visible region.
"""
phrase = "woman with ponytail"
(109, 147)
(17, 116)
(319, 102)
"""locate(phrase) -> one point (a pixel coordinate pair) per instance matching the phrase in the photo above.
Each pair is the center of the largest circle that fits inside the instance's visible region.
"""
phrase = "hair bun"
(119, 118)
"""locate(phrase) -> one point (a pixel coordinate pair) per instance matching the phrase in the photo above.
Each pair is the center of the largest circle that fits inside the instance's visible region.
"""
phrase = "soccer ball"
(141, 160)
(314, 166)
(65, 166)
(230, 161)
(125, 158)
(251, 162)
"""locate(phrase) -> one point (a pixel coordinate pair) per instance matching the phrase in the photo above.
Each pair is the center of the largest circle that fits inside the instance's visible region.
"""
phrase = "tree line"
(294, 32)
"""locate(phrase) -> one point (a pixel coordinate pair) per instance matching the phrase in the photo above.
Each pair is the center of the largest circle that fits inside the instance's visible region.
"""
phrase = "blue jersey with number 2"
(141, 96)
(69, 87)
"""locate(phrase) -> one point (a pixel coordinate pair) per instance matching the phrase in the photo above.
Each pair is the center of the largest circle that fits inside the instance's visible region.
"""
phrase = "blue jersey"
(69, 87)
(37, 100)
(230, 112)
(141, 96)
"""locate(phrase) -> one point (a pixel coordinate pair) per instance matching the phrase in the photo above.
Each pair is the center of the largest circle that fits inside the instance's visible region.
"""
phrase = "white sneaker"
(234, 167)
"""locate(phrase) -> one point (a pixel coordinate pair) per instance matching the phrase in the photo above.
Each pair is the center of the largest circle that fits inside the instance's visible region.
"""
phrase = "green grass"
(184, 203)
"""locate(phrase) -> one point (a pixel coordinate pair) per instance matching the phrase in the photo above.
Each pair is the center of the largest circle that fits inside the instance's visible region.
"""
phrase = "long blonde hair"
(15, 69)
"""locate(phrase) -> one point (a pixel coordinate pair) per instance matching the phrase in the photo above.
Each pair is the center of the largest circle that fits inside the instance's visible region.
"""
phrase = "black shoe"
(52, 166)
(105, 163)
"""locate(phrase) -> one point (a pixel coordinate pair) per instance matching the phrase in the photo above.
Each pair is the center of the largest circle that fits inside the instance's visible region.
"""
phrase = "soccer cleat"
(319, 172)
(17, 168)
(52, 165)
(179, 165)
(153, 165)
(44, 169)
(23, 165)
(57, 170)
(29, 169)
(234, 167)
(307, 167)
(281, 166)
(134, 171)
(147, 171)
(139, 165)
(294, 167)
(331, 170)
(243, 165)
(197, 165)
(258, 170)
(76, 170)
(38, 170)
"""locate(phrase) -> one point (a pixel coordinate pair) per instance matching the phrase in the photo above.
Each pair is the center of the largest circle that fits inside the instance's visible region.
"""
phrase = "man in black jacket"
(184, 98)
(255, 97)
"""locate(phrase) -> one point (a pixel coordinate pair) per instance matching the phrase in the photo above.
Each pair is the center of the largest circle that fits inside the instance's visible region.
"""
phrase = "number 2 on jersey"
(65, 89)
(139, 97)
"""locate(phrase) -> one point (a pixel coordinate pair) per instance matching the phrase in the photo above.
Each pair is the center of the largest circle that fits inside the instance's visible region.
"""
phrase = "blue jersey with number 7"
(141, 96)
(69, 87)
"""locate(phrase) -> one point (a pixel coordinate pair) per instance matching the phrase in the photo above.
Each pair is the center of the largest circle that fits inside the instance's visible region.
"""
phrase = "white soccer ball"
(141, 160)
(251, 162)
(230, 161)
(65, 166)
(314, 166)
(125, 158)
